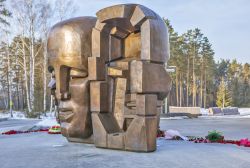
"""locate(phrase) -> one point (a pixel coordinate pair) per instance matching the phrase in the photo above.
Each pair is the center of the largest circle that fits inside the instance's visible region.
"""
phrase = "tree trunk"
(194, 85)
(188, 82)
(181, 89)
(26, 77)
(45, 77)
(32, 67)
(9, 79)
(201, 87)
(177, 88)
(17, 86)
(205, 89)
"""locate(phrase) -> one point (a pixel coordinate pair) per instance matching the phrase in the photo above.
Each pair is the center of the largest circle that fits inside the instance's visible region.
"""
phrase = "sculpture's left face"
(69, 46)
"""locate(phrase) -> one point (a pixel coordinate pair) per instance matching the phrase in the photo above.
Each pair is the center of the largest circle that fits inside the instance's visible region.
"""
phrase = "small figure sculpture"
(110, 76)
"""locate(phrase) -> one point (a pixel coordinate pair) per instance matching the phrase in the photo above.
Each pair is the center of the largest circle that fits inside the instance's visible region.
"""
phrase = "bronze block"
(96, 40)
(146, 104)
(115, 49)
(120, 90)
(159, 111)
(141, 13)
(100, 44)
(117, 16)
(118, 33)
(98, 96)
(144, 79)
(141, 134)
(100, 133)
(154, 45)
(132, 46)
(129, 112)
(117, 11)
(96, 67)
(116, 140)
(104, 124)
(130, 97)
(115, 72)
(121, 64)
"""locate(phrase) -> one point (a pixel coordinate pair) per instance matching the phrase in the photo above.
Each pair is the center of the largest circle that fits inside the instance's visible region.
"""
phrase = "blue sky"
(226, 23)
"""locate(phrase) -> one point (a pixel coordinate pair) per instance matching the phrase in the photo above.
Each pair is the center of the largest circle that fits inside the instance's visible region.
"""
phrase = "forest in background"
(200, 81)
(23, 59)
(197, 79)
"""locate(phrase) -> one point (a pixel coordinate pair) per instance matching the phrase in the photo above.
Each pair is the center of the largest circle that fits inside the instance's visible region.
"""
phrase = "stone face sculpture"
(110, 76)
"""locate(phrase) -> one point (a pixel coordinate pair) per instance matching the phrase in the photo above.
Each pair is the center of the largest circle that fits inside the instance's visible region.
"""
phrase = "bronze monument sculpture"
(110, 77)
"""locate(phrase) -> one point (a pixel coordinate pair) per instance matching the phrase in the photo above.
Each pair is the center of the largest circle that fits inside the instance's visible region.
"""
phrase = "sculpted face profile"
(110, 76)
(69, 46)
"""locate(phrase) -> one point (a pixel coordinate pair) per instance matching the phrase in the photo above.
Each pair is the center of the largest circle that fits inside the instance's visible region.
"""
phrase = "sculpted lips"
(65, 114)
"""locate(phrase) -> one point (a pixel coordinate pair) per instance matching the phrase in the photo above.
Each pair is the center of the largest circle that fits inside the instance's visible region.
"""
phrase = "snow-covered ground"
(174, 118)
(244, 113)
(48, 122)
(204, 112)
(16, 115)
(21, 115)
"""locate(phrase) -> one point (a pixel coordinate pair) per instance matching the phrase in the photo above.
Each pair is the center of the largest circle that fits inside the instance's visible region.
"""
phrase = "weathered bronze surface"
(110, 76)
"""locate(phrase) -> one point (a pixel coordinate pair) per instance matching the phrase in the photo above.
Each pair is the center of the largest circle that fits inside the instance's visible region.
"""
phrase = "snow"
(21, 115)
(226, 116)
(175, 118)
(244, 111)
(16, 115)
(204, 111)
(49, 122)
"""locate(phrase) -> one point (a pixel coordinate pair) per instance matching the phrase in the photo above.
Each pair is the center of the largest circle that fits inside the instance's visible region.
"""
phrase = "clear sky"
(226, 23)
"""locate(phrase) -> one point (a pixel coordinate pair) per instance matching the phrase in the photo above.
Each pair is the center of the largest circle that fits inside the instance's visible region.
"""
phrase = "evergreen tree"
(223, 95)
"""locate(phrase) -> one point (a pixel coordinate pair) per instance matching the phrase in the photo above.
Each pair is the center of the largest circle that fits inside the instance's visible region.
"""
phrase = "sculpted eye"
(76, 73)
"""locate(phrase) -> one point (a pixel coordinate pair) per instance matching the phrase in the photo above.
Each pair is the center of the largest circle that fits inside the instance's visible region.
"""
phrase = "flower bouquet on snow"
(55, 130)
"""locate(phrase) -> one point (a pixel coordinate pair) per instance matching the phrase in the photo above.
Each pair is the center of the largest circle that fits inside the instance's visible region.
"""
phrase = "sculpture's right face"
(69, 47)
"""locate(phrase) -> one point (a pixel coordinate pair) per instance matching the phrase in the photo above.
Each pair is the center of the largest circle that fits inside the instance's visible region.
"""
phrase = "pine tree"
(223, 95)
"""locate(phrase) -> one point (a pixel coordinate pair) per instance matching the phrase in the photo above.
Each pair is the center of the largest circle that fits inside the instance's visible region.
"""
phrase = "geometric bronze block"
(141, 134)
(115, 49)
(98, 96)
(146, 104)
(115, 72)
(116, 140)
(117, 11)
(100, 44)
(100, 138)
(132, 46)
(141, 13)
(119, 33)
(123, 65)
(96, 66)
(119, 99)
(153, 42)
(130, 97)
(144, 79)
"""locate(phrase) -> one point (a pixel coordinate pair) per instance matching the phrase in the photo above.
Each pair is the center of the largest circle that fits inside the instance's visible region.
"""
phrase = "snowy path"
(42, 150)
(15, 124)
